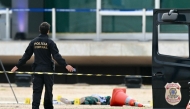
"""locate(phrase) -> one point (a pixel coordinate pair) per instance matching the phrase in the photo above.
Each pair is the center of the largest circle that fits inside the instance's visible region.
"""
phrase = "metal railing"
(99, 13)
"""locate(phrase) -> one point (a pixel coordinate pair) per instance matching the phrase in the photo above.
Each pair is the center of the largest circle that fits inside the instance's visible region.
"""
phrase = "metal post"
(7, 25)
(98, 20)
(53, 24)
(144, 23)
(157, 6)
(8, 80)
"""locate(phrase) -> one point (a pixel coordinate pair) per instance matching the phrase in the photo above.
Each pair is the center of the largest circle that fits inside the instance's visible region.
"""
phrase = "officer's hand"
(14, 69)
(69, 68)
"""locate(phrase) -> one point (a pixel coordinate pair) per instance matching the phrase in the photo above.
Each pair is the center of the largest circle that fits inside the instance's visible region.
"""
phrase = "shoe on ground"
(65, 101)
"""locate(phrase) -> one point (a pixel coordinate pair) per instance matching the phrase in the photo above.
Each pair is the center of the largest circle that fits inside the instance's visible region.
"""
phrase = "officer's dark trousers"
(39, 81)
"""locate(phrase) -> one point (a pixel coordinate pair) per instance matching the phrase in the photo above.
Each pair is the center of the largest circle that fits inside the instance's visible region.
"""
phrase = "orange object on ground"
(119, 98)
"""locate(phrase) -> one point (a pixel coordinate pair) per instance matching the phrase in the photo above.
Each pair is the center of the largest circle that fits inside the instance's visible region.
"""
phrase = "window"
(173, 31)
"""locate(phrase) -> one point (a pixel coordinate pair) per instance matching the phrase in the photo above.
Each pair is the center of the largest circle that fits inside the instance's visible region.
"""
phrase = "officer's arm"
(27, 55)
(56, 56)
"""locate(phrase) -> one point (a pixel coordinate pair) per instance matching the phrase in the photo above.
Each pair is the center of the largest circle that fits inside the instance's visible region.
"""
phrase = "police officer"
(44, 49)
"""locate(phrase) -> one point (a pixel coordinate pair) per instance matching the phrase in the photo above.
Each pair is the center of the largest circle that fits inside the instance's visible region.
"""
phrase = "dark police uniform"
(44, 49)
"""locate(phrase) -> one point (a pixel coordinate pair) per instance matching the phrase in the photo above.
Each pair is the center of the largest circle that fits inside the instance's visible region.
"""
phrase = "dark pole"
(8, 80)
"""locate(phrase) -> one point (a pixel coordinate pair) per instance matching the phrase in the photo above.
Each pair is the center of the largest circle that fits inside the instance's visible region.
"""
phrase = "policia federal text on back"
(44, 49)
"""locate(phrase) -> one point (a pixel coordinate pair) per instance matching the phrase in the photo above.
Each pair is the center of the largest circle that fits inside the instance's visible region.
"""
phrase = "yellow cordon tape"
(79, 74)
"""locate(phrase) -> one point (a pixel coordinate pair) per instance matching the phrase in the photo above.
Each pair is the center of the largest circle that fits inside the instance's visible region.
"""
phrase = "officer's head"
(44, 28)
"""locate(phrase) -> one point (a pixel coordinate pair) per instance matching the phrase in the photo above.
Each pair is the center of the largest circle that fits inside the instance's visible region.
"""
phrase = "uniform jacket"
(44, 49)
